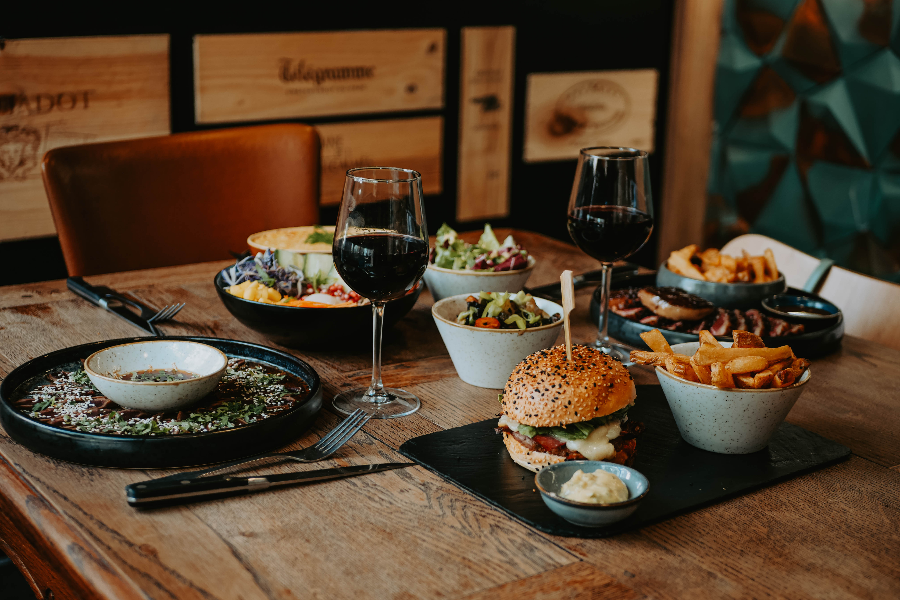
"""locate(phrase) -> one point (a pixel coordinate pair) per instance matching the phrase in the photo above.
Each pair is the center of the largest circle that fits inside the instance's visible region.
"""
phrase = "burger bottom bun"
(533, 461)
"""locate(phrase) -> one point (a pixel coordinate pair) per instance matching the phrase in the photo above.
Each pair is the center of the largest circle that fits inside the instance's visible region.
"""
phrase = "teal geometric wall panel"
(807, 128)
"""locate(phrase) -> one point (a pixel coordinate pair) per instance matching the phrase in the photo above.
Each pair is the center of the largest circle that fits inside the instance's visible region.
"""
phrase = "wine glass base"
(392, 403)
(617, 351)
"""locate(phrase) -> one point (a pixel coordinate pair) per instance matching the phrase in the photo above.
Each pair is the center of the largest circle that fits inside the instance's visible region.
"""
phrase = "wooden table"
(834, 533)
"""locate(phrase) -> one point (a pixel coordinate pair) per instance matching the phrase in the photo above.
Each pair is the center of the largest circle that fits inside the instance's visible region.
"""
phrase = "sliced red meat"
(756, 322)
(652, 320)
(722, 323)
(635, 313)
(738, 321)
(778, 327)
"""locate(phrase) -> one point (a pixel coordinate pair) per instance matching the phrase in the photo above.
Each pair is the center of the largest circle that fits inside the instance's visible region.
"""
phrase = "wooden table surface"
(833, 533)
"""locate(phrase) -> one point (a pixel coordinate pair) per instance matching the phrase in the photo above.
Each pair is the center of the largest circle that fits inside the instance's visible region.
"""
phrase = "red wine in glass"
(610, 216)
(609, 233)
(381, 266)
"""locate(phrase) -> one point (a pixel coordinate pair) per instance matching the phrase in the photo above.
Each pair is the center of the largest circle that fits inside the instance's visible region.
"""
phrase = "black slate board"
(146, 451)
(682, 477)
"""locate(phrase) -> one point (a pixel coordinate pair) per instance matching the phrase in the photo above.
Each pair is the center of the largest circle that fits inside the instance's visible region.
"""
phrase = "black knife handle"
(148, 492)
(78, 285)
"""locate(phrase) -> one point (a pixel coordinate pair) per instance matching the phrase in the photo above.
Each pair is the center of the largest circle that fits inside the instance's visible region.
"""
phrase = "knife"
(101, 297)
(155, 492)
(580, 281)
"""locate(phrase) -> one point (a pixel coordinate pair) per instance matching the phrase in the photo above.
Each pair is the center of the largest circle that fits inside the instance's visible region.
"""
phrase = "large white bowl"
(205, 361)
(726, 421)
(486, 357)
(444, 283)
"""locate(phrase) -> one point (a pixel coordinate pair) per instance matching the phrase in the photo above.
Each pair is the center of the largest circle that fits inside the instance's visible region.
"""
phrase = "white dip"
(599, 487)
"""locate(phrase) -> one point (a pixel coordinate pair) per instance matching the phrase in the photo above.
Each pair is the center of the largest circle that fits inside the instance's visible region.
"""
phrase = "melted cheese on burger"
(596, 446)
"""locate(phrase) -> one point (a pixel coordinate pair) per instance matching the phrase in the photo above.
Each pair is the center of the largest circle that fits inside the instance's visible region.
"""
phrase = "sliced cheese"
(596, 446)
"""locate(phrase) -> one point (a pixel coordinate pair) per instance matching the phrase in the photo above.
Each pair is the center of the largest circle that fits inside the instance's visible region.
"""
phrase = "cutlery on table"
(184, 483)
(113, 302)
(552, 291)
(178, 492)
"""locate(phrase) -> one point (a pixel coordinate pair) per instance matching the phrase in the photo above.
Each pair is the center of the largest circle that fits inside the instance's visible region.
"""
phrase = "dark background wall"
(560, 36)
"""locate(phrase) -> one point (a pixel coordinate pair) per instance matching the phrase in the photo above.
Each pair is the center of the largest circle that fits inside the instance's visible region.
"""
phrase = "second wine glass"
(381, 251)
(610, 216)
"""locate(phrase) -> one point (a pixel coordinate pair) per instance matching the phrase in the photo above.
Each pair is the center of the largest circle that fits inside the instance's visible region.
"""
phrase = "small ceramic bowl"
(444, 283)
(486, 357)
(792, 308)
(726, 421)
(550, 480)
(206, 362)
(725, 295)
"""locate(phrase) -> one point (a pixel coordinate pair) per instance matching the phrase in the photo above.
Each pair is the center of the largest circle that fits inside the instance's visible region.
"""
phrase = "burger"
(556, 410)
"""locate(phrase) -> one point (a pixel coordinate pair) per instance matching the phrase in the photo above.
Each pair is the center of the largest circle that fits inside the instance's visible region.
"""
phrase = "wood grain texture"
(409, 534)
(65, 91)
(250, 77)
(485, 122)
(689, 124)
(565, 112)
(407, 143)
(578, 581)
(793, 540)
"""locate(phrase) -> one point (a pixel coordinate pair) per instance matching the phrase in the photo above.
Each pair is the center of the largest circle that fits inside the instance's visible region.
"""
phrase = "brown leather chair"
(182, 198)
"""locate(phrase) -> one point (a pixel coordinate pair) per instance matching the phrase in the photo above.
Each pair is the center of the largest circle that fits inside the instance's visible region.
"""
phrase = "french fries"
(655, 340)
(712, 265)
(747, 364)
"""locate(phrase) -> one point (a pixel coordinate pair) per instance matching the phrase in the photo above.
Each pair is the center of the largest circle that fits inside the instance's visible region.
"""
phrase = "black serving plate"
(296, 327)
(682, 477)
(124, 451)
(808, 345)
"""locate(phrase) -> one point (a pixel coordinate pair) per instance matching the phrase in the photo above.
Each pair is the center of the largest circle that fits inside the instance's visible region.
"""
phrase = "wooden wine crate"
(568, 111)
(65, 91)
(294, 75)
(485, 122)
(407, 143)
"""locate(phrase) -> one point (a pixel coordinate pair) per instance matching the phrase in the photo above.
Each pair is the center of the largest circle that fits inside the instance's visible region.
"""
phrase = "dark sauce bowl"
(813, 312)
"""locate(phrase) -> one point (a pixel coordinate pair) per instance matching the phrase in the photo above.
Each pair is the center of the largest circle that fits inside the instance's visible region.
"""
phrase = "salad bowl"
(302, 327)
(458, 267)
(444, 283)
(486, 357)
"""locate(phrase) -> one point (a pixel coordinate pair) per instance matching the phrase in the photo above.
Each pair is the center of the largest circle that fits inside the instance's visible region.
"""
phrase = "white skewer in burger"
(568, 403)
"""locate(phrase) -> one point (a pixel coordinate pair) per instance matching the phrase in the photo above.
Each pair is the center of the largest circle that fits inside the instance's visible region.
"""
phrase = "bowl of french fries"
(725, 280)
(726, 397)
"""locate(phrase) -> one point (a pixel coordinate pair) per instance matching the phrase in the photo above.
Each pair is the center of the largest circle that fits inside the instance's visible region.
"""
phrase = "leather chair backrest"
(179, 199)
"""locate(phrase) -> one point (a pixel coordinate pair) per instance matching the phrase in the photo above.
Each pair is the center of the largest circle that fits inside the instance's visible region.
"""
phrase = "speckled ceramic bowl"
(486, 357)
(205, 361)
(727, 421)
(444, 283)
(550, 480)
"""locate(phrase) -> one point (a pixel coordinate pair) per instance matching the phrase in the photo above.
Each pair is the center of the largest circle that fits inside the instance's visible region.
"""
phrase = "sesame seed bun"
(531, 460)
(546, 390)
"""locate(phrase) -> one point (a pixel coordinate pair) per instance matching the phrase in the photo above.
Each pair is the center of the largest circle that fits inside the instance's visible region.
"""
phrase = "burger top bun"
(546, 390)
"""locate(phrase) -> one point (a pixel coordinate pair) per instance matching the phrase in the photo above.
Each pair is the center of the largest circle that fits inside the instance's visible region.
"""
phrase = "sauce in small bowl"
(813, 312)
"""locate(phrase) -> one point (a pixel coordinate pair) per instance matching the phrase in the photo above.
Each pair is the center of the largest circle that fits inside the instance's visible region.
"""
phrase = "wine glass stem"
(605, 281)
(376, 390)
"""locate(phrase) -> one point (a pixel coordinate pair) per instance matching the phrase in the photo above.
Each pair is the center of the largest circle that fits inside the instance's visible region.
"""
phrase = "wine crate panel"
(569, 111)
(295, 75)
(407, 143)
(66, 91)
(485, 122)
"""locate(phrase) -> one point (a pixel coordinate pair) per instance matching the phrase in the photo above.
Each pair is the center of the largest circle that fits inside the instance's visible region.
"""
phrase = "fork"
(325, 447)
(164, 314)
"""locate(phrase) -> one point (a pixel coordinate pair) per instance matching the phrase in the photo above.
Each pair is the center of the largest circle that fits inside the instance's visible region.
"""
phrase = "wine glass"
(381, 251)
(610, 216)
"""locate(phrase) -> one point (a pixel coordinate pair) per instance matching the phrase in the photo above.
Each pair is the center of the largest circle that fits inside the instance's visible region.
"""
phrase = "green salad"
(502, 310)
(487, 254)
